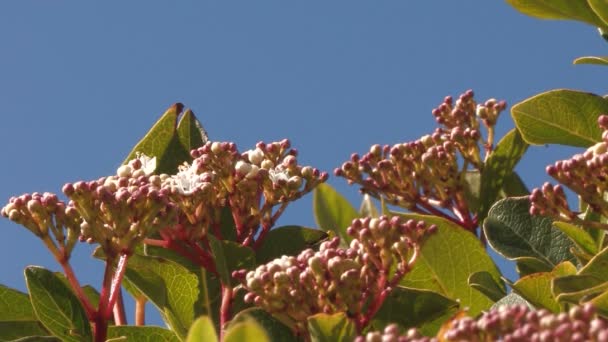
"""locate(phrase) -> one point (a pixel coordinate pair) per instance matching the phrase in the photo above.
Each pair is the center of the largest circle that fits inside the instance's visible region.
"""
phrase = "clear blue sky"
(81, 82)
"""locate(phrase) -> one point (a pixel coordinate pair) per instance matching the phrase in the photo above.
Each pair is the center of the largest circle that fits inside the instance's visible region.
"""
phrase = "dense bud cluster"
(428, 175)
(41, 213)
(511, 323)
(119, 211)
(251, 184)
(355, 280)
(586, 174)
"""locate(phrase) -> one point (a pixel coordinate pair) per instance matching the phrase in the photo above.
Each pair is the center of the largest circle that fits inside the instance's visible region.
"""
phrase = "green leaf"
(202, 330)
(288, 240)
(472, 189)
(530, 265)
(410, 307)
(171, 287)
(163, 143)
(330, 328)
(560, 116)
(89, 291)
(12, 330)
(558, 9)
(514, 186)
(514, 233)
(230, 256)
(600, 7)
(141, 333)
(511, 299)
(446, 260)
(579, 236)
(15, 305)
(227, 225)
(498, 167)
(368, 208)
(599, 60)
(536, 288)
(276, 330)
(578, 288)
(191, 133)
(484, 282)
(56, 306)
(332, 211)
(246, 331)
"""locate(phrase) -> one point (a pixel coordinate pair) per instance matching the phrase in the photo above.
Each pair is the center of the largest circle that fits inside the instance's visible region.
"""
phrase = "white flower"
(186, 181)
(255, 156)
(148, 165)
(278, 174)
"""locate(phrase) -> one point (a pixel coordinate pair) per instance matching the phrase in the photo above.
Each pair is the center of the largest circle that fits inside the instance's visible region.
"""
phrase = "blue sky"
(82, 82)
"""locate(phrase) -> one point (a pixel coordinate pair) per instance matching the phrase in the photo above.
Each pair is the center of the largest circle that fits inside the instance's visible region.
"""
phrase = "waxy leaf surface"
(579, 10)
(332, 211)
(329, 328)
(15, 305)
(14, 330)
(56, 307)
(562, 116)
(288, 240)
(276, 330)
(141, 333)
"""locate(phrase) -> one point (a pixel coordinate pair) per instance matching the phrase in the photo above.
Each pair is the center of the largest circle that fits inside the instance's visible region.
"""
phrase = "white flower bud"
(256, 156)
(242, 167)
(215, 147)
(124, 171)
(267, 164)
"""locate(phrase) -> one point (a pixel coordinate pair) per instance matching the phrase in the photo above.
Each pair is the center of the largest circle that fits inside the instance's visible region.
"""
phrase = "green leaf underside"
(531, 265)
(275, 329)
(15, 305)
(559, 9)
(368, 208)
(332, 211)
(203, 329)
(191, 133)
(12, 330)
(446, 260)
(486, 284)
(246, 331)
(498, 167)
(514, 233)
(171, 287)
(329, 328)
(141, 333)
(597, 60)
(537, 288)
(288, 240)
(230, 256)
(600, 8)
(560, 116)
(511, 299)
(410, 307)
(89, 291)
(56, 307)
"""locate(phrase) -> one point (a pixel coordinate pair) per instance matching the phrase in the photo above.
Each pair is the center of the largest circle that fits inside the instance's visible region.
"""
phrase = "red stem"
(69, 273)
(116, 281)
(100, 322)
(120, 317)
(225, 309)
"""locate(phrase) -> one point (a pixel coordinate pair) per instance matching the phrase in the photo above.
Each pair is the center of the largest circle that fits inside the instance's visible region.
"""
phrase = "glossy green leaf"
(511, 299)
(530, 265)
(163, 143)
(332, 211)
(600, 7)
(89, 291)
(202, 330)
(329, 328)
(56, 307)
(410, 307)
(15, 305)
(190, 132)
(514, 186)
(12, 330)
(230, 256)
(600, 303)
(514, 233)
(288, 240)
(486, 284)
(171, 287)
(472, 190)
(536, 288)
(598, 60)
(246, 331)
(558, 9)
(446, 260)
(597, 266)
(560, 116)
(578, 288)
(498, 167)
(368, 208)
(141, 333)
(209, 298)
(276, 330)
(579, 236)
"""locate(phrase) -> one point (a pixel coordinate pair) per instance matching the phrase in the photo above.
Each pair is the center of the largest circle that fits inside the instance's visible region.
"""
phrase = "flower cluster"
(511, 323)
(584, 173)
(44, 213)
(428, 175)
(355, 280)
(250, 184)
